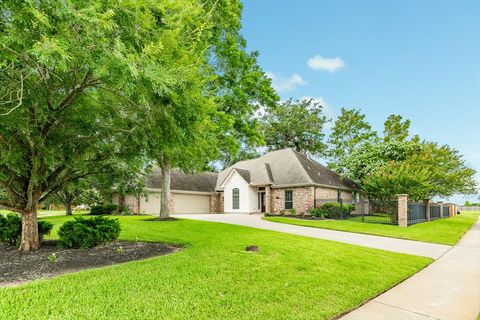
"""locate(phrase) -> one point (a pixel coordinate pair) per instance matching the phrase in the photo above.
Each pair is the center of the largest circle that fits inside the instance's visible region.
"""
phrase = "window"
(235, 198)
(288, 199)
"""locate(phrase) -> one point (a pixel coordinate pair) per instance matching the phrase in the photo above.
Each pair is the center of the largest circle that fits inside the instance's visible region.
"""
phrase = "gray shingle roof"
(287, 167)
(203, 182)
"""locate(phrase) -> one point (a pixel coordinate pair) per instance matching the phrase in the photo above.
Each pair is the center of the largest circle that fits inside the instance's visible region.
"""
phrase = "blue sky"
(416, 58)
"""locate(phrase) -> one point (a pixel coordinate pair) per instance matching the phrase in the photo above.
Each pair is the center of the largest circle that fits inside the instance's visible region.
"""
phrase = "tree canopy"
(296, 124)
(76, 80)
(349, 130)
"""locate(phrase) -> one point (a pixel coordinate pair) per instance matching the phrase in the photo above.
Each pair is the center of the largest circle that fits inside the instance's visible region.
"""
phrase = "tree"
(421, 170)
(398, 178)
(72, 83)
(297, 125)
(243, 153)
(69, 194)
(395, 129)
(210, 111)
(350, 130)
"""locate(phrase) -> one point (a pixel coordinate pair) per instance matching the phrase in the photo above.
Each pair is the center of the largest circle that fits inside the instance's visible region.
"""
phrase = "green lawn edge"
(443, 231)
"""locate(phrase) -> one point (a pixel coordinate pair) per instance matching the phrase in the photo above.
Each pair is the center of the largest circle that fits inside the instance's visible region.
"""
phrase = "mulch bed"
(17, 267)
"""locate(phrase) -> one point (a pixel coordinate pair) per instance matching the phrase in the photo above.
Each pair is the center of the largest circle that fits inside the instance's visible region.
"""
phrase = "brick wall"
(216, 202)
(302, 199)
(131, 202)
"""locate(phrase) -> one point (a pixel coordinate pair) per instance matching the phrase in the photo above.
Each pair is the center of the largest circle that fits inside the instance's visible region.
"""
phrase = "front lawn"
(214, 278)
(443, 231)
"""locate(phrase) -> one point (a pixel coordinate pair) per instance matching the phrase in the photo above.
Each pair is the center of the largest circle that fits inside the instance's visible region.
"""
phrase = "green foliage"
(293, 211)
(318, 212)
(11, 228)
(350, 130)
(88, 233)
(395, 129)
(367, 158)
(332, 210)
(397, 178)
(296, 124)
(103, 209)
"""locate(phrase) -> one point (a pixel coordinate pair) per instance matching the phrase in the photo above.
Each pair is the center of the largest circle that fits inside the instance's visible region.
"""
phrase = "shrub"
(44, 228)
(103, 209)
(293, 211)
(317, 212)
(11, 228)
(88, 233)
(334, 210)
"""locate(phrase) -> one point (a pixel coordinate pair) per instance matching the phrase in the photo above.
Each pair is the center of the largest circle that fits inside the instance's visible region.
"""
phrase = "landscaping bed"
(18, 267)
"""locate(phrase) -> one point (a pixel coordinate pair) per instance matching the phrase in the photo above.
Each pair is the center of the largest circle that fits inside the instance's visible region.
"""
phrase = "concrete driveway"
(431, 250)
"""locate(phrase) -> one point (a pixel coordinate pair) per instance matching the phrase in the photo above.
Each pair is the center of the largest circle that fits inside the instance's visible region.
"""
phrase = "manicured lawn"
(444, 231)
(292, 277)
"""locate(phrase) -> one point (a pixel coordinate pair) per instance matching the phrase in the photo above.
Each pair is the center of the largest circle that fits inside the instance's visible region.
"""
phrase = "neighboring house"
(275, 182)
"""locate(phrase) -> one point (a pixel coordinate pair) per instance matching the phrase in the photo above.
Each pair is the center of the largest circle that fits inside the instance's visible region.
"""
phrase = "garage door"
(150, 204)
(191, 203)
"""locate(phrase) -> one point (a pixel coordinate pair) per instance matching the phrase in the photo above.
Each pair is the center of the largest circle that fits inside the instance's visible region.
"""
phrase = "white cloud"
(282, 84)
(327, 64)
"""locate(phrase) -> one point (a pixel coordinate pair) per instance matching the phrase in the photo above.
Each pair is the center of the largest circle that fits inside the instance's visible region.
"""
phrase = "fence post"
(427, 209)
(441, 209)
(402, 200)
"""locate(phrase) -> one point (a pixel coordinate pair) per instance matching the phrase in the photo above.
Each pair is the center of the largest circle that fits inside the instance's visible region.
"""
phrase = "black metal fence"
(384, 212)
(446, 209)
(417, 212)
(434, 211)
(368, 211)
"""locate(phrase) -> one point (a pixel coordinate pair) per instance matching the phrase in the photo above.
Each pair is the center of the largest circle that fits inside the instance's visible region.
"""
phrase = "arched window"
(235, 198)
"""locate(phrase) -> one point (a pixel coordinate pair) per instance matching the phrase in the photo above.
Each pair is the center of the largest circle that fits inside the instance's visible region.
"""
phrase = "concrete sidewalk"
(431, 250)
(449, 288)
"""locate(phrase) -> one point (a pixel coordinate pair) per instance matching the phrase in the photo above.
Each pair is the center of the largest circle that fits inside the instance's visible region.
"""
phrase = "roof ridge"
(296, 154)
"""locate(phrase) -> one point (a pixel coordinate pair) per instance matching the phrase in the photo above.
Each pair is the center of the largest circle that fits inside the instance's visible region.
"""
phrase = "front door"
(261, 201)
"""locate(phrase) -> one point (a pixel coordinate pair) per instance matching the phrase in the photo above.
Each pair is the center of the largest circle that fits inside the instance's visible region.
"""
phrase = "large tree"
(72, 83)
(348, 132)
(420, 169)
(296, 124)
(210, 112)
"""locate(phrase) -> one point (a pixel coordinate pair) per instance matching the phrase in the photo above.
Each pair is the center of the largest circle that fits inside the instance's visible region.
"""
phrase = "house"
(277, 181)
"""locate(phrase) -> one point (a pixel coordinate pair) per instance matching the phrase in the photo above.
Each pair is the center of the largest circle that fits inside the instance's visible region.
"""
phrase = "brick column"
(427, 209)
(441, 209)
(267, 200)
(402, 200)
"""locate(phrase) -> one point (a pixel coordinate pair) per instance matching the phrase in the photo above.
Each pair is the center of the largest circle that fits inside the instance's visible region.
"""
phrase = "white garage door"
(150, 204)
(191, 203)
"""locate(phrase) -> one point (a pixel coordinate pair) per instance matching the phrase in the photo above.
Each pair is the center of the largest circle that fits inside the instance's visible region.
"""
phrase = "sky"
(416, 58)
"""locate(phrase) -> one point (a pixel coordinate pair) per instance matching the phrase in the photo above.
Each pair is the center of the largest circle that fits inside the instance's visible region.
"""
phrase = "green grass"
(214, 278)
(443, 231)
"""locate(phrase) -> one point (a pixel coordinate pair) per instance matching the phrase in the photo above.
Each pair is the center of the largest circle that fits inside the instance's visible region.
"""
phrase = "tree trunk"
(121, 201)
(165, 166)
(68, 208)
(30, 240)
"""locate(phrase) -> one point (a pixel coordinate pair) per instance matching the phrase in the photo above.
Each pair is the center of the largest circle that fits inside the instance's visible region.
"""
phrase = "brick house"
(275, 182)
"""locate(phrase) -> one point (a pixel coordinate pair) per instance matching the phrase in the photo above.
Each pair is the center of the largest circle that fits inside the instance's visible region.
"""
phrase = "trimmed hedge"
(103, 209)
(88, 233)
(332, 210)
(11, 228)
